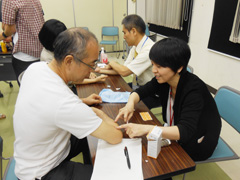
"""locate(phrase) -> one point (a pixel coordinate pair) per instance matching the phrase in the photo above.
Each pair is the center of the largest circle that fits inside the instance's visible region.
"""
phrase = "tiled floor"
(223, 170)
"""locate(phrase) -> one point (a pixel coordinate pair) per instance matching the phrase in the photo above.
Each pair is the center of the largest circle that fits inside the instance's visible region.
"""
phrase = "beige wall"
(92, 14)
(59, 9)
(215, 69)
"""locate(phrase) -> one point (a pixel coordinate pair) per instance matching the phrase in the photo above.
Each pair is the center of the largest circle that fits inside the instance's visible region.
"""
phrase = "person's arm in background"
(108, 129)
(114, 68)
(106, 71)
(8, 30)
(120, 69)
(101, 78)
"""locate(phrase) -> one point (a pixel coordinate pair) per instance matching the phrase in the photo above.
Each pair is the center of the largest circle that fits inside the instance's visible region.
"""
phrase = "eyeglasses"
(92, 67)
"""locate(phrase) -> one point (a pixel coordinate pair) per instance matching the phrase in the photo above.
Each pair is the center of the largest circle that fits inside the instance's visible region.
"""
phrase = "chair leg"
(10, 83)
(184, 175)
(118, 49)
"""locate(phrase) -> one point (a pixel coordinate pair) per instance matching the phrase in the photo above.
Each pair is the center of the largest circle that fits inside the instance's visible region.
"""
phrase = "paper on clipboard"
(110, 162)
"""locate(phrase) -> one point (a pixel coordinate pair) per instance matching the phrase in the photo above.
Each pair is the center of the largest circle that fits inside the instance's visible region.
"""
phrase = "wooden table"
(172, 160)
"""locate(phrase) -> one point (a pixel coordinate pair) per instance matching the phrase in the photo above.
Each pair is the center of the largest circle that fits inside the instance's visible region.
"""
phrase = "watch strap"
(4, 35)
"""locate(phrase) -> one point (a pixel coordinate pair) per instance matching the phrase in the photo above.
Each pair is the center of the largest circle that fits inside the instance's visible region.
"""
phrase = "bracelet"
(4, 35)
(155, 133)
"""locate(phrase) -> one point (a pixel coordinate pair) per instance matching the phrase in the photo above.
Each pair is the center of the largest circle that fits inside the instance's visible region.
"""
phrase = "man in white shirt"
(138, 62)
(50, 122)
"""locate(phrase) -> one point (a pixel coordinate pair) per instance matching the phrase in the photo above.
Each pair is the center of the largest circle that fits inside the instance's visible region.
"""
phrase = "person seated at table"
(48, 33)
(137, 62)
(51, 123)
(189, 111)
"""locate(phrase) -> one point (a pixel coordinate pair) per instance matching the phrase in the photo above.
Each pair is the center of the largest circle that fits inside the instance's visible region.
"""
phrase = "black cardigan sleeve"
(151, 88)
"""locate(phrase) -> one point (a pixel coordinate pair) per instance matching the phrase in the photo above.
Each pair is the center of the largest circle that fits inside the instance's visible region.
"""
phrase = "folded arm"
(120, 69)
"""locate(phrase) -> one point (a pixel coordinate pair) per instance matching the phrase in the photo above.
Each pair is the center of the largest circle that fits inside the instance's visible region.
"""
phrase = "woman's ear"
(180, 70)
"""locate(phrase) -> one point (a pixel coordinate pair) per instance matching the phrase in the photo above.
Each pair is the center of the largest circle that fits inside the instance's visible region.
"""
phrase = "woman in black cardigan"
(189, 110)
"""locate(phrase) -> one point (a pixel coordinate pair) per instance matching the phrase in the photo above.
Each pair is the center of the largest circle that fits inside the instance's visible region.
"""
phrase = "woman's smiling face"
(162, 74)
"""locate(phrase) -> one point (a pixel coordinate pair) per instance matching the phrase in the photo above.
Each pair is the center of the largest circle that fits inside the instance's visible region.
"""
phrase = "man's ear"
(68, 60)
(134, 31)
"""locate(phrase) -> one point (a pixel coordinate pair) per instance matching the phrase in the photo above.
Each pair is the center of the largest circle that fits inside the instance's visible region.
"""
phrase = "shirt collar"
(139, 46)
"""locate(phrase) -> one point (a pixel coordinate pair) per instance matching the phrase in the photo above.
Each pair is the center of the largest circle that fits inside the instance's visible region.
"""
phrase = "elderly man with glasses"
(50, 122)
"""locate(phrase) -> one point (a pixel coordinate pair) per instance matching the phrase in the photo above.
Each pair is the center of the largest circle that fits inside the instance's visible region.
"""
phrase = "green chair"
(228, 104)
(190, 69)
(9, 172)
(86, 28)
(112, 32)
(152, 36)
(147, 31)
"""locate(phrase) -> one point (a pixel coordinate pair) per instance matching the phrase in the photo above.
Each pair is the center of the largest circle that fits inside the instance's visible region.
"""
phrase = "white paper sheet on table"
(110, 162)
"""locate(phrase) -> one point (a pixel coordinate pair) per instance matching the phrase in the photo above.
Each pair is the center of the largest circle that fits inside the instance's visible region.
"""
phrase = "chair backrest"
(190, 69)
(147, 31)
(228, 103)
(86, 28)
(110, 31)
(9, 172)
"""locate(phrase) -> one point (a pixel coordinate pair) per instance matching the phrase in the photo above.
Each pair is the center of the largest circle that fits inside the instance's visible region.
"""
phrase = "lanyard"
(170, 108)
(142, 45)
(144, 42)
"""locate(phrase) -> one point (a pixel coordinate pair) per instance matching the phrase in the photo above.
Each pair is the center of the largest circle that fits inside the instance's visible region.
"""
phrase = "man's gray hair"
(73, 41)
(134, 21)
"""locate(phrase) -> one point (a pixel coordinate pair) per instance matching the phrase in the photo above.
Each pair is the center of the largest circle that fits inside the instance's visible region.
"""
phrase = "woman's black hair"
(171, 52)
(48, 33)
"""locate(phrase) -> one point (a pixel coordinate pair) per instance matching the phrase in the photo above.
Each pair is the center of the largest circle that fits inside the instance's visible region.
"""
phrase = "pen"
(127, 157)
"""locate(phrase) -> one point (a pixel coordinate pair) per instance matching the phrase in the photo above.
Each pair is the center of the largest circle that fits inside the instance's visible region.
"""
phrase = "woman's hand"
(136, 130)
(126, 113)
